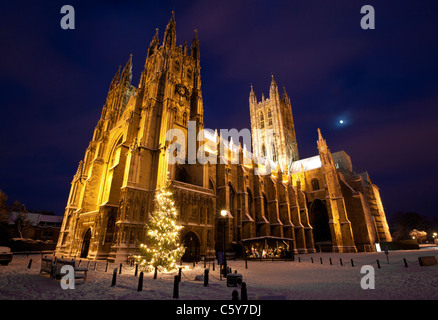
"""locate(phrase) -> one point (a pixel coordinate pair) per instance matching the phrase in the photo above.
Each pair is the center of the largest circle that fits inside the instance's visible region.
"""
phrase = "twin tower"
(298, 206)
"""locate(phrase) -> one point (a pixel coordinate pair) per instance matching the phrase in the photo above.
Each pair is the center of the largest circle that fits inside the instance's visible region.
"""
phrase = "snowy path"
(280, 280)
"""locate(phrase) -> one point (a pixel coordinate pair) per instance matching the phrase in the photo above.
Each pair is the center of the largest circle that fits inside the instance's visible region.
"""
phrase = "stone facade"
(312, 204)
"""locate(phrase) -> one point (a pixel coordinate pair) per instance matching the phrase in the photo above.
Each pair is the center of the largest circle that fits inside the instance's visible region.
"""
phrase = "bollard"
(179, 274)
(155, 272)
(113, 282)
(340, 260)
(235, 295)
(140, 282)
(246, 262)
(206, 277)
(136, 269)
(352, 263)
(378, 263)
(299, 259)
(95, 265)
(30, 264)
(213, 265)
(106, 267)
(243, 292)
(406, 263)
(175, 288)
(120, 268)
(330, 259)
(320, 259)
(311, 259)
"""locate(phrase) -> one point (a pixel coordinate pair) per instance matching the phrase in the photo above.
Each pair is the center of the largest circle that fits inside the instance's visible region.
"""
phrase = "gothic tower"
(272, 127)
(127, 160)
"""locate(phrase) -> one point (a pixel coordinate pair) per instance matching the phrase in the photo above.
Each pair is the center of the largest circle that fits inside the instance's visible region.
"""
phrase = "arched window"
(315, 184)
(269, 117)
(115, 154)
(262, 120)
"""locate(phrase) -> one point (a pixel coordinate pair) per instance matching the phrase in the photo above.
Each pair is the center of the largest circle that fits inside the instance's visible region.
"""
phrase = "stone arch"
(192, 243)
(86, 243)
(319, 220)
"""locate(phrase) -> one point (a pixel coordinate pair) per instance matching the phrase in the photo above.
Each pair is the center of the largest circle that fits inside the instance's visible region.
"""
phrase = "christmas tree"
(163, 249)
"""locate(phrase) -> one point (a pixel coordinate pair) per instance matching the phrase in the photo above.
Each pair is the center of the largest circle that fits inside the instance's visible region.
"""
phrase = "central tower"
(170, 96)
(272, 127)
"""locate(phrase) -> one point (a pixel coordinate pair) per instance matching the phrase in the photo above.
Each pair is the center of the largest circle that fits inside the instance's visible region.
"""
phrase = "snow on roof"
(306, 164)
(35, 218)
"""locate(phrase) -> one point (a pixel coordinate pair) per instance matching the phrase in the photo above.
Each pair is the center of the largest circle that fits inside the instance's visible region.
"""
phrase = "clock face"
(182, 90)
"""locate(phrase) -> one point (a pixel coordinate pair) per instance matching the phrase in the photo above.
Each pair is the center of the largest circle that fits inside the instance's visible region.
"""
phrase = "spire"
(194, 48)
(273, 83)
(252, 96)
(273, 90)
(79, 172)
(127, 72)
(154, 43)
(285, 96)
(115, 79)
(185, 47)
(322, 144)
(170, 33)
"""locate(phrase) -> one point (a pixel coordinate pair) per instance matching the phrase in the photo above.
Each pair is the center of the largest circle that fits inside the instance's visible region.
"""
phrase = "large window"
(269, 117)
(315, 184)
(262, 120)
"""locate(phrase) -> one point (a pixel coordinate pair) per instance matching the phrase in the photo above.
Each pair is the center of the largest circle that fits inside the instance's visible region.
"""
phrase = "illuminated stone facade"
(314, 203)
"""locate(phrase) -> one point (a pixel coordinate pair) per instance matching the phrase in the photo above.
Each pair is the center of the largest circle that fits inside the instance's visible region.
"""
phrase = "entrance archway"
(192, 244)
(319, 220)
(86, 244)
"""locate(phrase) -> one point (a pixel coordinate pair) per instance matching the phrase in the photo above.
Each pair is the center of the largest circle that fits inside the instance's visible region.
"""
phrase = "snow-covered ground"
(292, 280)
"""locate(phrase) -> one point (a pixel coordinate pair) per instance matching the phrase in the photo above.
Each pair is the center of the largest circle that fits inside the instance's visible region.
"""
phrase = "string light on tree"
(163, 249)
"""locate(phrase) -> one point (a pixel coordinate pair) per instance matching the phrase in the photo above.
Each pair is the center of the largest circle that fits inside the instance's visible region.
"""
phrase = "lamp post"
(224, 213)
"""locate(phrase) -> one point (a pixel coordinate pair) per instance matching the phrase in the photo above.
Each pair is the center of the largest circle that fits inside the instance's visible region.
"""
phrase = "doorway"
(86, 244)
(192, 244)
(319, 220)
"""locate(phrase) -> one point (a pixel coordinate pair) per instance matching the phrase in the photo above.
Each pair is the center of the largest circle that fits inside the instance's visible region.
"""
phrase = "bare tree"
(22, 223)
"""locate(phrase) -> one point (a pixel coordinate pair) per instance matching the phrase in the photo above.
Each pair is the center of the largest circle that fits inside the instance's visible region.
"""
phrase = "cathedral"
(260, 200)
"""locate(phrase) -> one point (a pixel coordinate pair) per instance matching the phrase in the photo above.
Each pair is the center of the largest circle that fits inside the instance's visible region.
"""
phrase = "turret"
(273, 90)
(170, 33)
(194, 48)
(126, 76)
(154, 44)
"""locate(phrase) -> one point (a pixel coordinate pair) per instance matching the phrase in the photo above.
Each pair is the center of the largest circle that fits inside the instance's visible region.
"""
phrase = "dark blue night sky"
(382, 83)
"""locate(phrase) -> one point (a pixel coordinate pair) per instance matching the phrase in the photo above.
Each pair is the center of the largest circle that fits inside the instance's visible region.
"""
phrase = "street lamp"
(224, 213)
